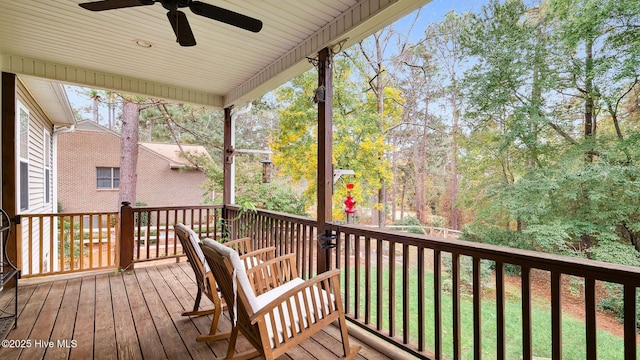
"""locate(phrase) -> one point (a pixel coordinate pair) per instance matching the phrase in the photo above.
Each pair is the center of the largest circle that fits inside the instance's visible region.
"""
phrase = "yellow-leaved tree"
(358, 140)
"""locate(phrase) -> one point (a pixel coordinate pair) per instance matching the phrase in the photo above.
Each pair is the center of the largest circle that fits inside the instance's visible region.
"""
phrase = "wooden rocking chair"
(205, 280)
(272, 307)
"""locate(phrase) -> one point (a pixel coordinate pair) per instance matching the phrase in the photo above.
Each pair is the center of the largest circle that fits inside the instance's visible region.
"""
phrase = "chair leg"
(232, 342)
(196, 305)
(232, 347)
(349, 351)
(212, 336)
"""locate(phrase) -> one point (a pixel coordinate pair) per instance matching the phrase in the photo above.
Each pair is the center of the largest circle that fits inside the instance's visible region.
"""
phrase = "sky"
(435, 12)
(432, 12)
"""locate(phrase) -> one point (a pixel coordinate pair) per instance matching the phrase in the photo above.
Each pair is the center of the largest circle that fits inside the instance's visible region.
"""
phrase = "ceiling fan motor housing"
(173, 4)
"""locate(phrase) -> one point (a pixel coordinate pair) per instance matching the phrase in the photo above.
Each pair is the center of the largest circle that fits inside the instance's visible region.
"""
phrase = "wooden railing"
(51, 244)
(438, 298)
(152, 237)
(288, 233)
(64, 243)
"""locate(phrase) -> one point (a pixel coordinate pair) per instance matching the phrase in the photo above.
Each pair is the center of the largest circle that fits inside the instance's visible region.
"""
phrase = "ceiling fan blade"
(180, 25)
(113, 4)
(225, 16)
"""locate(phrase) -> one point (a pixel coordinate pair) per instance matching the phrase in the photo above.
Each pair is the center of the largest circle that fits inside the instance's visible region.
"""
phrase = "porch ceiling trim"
(79, 76)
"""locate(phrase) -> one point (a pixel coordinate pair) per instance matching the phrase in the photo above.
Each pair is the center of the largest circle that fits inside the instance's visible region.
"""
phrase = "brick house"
(89, 164)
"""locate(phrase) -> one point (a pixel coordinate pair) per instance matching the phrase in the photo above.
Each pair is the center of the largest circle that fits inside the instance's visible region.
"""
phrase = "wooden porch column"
(325, 151)
(227, 161)
(9, 176)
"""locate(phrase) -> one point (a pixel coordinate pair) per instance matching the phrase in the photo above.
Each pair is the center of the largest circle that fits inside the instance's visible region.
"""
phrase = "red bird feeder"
(350, 204)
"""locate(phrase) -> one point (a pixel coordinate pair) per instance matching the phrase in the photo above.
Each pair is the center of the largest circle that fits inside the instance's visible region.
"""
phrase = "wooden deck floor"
(134, 315)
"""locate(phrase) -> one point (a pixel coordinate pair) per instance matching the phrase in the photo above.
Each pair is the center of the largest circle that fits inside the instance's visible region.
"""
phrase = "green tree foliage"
(276, 195)
(545, 79)
(358, 143)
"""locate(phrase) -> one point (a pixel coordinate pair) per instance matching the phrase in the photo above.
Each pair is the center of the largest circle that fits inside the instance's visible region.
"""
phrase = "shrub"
(142, 218)
(410, 224)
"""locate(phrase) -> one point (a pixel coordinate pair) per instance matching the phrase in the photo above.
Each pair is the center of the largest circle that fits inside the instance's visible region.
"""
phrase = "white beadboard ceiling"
(58, 41)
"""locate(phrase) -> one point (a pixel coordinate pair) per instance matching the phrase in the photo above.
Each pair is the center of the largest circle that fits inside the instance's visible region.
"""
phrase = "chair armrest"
(263, 254)
(328, 281)
(272, 273)
(242, 245)
(255, 258)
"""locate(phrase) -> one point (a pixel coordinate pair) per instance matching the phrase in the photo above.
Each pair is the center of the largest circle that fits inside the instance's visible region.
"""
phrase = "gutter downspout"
(57, 130)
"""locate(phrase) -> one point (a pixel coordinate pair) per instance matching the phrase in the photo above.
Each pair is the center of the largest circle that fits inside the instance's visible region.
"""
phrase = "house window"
(23, 154)
(47, 167)
(108, 178)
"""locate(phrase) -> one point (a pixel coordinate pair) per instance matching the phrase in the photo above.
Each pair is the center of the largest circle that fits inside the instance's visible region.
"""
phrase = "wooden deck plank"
(172, 343)
(177, 274)
(43, 326)
(7, 299)
(85, 321)
(26, 320)
(105, 328)
(135, 316)
(320, 350)
(126, 338)
(186, 278)
(64, 323)
(151, 347)
(366, 352)
(185, 327)
(7, 296)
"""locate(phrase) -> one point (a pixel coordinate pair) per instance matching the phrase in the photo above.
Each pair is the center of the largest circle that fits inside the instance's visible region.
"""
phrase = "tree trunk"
(402, 197)
(453, 179)
(112, 109)
(589, 119)
(394, 186)
(382, 195)
(589, 129)
(420, 170)
(129, 151)
(95, 111)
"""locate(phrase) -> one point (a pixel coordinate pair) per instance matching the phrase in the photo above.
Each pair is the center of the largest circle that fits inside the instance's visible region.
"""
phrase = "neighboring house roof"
(173, 153)
(52, 99)
(88, 125)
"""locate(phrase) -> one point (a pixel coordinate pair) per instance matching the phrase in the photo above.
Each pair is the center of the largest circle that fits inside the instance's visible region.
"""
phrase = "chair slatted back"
(223, 270)
(197, 263)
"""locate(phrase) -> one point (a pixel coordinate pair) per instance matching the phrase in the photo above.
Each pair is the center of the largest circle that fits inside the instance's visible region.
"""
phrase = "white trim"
(20, 107)
(47, 162)
(85, 77)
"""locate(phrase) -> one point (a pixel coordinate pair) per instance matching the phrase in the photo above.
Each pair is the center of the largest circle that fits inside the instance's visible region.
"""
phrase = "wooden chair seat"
(273, 308)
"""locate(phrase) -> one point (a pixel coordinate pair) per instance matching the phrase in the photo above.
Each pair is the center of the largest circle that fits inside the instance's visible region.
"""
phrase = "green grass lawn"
(573, 330)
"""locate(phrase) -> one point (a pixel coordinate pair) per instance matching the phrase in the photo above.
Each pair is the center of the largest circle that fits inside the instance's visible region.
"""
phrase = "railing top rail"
(86, 213)
(189, 207)
(281, 216)
(551, 262)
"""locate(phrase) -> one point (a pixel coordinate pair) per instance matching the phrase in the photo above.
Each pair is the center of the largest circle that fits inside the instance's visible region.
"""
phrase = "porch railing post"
(126, 237)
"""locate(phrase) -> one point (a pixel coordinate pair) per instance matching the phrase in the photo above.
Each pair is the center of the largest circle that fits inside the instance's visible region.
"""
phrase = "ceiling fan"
(178, 19)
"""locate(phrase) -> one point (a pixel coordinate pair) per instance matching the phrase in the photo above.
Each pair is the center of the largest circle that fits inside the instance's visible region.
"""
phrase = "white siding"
(39, 124)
